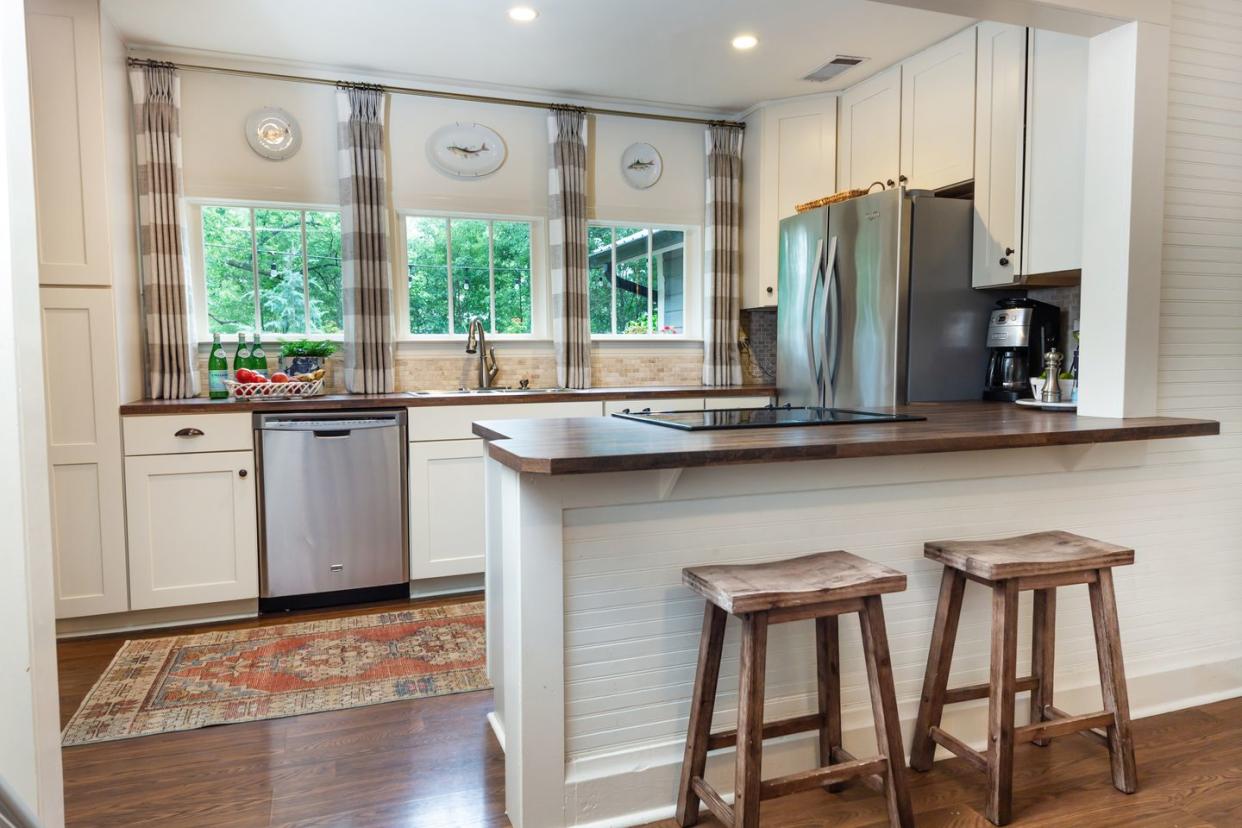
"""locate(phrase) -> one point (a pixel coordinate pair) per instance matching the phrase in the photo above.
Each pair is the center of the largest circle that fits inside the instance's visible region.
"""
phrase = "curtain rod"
(432, 93)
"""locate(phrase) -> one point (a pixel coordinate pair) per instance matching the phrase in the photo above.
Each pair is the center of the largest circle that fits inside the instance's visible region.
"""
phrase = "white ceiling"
(671, 52)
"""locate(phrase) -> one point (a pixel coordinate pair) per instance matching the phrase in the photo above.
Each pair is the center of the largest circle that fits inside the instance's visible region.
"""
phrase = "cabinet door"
(869, 130)
(1056, 133)
(446, 508)
(84, 451)
(66, 124)
(938, 114)
(1000, 120)
(193, 534)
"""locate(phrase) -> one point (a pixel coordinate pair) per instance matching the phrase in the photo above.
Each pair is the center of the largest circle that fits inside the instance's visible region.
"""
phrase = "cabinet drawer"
(656, 405)
(452, 422)
(198, 433)
(737, 402)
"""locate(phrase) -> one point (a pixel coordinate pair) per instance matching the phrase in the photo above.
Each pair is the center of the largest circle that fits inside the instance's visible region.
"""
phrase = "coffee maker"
(1020, 332)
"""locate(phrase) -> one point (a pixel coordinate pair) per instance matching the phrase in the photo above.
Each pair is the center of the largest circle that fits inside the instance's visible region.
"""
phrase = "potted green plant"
(305, 356)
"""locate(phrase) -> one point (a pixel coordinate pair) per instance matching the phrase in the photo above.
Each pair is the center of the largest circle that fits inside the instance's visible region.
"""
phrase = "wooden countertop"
(610, 444)
(404, 399)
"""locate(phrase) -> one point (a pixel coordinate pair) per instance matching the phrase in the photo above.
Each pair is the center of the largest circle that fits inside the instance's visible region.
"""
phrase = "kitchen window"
(462, 267)
(637, 280)
(276, 270)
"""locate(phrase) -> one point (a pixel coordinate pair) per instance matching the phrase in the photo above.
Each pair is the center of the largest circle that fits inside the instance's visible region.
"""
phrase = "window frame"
(539, 276)
(692, 287)
(198, 269)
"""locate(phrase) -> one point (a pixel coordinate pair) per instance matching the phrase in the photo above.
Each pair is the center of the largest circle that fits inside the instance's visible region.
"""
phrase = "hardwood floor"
(433, 763)
(424, 762)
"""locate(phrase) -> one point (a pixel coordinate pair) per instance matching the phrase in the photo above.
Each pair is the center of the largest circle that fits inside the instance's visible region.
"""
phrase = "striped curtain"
(366, 273)
(567, 238)
(722, 363)
(167, 302)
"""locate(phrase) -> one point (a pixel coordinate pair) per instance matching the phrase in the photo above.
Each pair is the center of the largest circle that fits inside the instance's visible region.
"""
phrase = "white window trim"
(540, 294)
(198, 272)
(692, 313)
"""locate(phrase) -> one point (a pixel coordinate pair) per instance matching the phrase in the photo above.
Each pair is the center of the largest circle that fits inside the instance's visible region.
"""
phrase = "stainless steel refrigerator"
(875, 304)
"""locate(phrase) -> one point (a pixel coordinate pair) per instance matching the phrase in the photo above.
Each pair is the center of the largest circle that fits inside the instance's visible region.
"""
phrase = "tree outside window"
(272, 270)
(462, 268)
(636, 280)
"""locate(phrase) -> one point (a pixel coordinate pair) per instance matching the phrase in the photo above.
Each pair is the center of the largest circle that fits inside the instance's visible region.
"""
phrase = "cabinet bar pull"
(189, 432)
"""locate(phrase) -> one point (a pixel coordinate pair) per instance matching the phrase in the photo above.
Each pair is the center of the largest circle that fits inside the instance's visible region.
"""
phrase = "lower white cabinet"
(446, 508)
(84, 451)
(193, 529)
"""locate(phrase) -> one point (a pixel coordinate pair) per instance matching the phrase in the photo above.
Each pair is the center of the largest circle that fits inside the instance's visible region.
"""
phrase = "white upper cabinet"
(938, 114)
(1030, 117)
(66, 119)
(789, 157)
(999, 120)
(869, 131)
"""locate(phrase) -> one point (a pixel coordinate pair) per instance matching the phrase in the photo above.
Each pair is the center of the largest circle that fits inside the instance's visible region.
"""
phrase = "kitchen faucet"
(476, 342)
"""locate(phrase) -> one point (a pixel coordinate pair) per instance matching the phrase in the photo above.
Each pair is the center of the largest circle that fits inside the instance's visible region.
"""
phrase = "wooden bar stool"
(1040, 562)
(821, 587)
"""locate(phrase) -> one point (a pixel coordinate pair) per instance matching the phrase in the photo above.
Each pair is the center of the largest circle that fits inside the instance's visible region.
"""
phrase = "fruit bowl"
(273, 390)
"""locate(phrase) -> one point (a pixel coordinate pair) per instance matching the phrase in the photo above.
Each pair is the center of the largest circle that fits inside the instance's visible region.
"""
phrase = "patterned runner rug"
(159, 685)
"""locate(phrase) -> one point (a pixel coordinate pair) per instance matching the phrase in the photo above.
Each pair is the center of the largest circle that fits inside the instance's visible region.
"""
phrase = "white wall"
(219, 164)
(29, 732)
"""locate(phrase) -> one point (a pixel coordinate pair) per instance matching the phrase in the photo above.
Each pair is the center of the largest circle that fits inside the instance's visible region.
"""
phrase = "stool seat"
(1041, 553)
(796, 582)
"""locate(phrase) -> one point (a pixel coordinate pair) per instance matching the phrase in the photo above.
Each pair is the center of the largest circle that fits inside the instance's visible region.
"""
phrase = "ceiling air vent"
(834, 67)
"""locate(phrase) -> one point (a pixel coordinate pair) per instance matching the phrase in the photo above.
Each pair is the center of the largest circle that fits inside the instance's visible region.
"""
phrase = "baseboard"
(497, 728)
(448, 585)
(153, 619)
(636, 786)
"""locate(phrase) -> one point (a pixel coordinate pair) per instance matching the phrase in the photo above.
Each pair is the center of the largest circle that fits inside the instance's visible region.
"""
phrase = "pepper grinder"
(1052, 373)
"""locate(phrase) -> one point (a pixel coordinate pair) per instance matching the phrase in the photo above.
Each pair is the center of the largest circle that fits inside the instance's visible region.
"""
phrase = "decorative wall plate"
(641, 165)
(466, 150)
(273, 133)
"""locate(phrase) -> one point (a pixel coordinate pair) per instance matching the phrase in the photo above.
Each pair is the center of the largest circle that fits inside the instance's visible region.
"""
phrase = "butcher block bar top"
(611, 444)
(402, 399)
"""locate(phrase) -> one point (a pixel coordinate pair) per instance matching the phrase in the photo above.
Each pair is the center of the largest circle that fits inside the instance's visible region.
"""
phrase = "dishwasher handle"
(332, 433)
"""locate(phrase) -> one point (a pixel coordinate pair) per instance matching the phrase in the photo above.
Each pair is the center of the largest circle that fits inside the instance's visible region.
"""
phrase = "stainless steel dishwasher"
(333, 514)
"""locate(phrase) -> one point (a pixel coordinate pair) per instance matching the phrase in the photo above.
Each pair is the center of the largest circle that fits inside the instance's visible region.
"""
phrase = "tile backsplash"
(636, 367)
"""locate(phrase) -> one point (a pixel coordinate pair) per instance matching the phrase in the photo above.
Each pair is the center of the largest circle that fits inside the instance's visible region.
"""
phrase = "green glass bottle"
(217, 370)
(241, 358)
(258, 357)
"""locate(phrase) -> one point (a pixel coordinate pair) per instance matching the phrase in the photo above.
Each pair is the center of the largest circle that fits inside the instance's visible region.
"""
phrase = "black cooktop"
(762, 417)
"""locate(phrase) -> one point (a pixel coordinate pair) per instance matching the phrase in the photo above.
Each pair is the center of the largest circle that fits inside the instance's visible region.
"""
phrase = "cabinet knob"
(769, 288)
(1004, 261)
(890, 184)
(241, 472)
(901, 179)
(188, 432)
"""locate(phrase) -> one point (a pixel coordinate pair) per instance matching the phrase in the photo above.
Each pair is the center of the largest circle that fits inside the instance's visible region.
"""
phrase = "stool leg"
(884, 711)
(1001, 702)
(702, 704)
(936, 678)
(1113, 681)
(750, 720)
(1043, 653)
(828, 668)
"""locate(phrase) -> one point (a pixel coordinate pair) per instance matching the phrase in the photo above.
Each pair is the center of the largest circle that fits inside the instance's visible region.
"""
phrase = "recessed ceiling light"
(745, 41)
(522, 14)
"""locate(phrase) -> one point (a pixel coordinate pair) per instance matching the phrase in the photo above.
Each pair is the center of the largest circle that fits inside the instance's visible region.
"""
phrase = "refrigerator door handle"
(830, 356)
(834, 292)
(812, 353)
